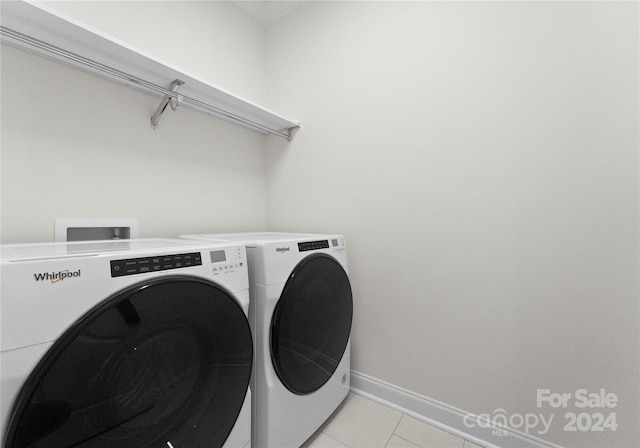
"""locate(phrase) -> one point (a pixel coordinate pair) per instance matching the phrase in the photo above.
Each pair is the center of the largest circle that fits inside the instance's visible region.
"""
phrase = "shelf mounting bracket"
(169, 100)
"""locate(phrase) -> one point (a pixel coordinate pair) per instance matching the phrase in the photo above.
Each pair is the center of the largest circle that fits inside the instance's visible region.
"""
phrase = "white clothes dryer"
(301, 312)
(130, 343)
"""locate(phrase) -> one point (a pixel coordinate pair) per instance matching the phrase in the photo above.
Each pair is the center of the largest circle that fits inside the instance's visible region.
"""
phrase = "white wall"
(214, 40)
(482, 159)
(77, 146)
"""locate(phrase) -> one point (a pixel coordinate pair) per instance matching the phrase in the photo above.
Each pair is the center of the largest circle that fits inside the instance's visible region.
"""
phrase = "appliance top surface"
(16, 252)
(266, 237)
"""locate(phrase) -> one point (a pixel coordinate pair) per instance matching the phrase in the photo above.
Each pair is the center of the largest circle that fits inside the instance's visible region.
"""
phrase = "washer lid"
(166, 362)
(19, 252)
(311, 324)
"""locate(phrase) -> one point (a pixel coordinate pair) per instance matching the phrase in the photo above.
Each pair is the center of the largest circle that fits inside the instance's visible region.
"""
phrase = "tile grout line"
(324, 425)
(339, 441)
(394, 430)
(406, 440)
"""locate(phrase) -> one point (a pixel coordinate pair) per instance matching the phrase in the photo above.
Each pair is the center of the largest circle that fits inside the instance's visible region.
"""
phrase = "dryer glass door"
(311, 324)
(165, 363)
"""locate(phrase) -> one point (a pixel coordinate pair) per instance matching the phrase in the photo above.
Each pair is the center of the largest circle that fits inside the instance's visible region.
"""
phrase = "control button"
(142, 265)
(313, 245)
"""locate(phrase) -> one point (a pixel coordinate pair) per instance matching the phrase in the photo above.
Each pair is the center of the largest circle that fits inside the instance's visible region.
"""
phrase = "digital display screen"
(217, 256)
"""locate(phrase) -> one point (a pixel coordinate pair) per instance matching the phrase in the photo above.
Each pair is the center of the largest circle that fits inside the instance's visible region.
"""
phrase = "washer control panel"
(132, 266)
(226, 259)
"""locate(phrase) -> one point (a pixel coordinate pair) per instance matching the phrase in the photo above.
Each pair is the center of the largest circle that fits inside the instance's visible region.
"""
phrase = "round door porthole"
(311, 324)
(164, 363)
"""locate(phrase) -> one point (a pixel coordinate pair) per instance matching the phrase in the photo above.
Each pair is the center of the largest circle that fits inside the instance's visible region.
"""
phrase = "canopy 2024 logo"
(594, 413)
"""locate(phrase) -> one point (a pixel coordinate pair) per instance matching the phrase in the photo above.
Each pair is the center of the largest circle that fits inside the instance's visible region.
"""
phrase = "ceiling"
(268, 11)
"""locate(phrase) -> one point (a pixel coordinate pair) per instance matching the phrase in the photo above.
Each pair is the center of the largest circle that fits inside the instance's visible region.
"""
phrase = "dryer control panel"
(320, 244)
(313, 245)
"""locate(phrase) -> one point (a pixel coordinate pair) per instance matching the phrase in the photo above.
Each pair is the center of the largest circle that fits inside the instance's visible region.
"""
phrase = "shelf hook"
(171, 100)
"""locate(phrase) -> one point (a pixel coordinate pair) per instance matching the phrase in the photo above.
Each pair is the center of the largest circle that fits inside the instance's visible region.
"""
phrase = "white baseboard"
(443, 416)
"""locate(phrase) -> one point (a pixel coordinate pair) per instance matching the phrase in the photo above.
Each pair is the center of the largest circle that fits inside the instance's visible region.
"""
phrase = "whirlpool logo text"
(55, 277)
(282, 249)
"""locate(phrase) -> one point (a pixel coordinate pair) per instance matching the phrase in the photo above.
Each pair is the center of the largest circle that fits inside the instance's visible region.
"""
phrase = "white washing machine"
(301, 311)
(131, 343)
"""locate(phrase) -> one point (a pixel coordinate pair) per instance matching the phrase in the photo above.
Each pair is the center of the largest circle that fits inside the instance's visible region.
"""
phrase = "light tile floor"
(363, 423)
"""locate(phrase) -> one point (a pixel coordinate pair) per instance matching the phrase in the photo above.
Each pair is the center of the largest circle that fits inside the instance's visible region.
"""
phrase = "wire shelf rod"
(33, 43)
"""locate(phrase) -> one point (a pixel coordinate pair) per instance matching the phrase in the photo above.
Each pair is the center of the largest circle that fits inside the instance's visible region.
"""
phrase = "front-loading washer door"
(311, 324)
(165, 363)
